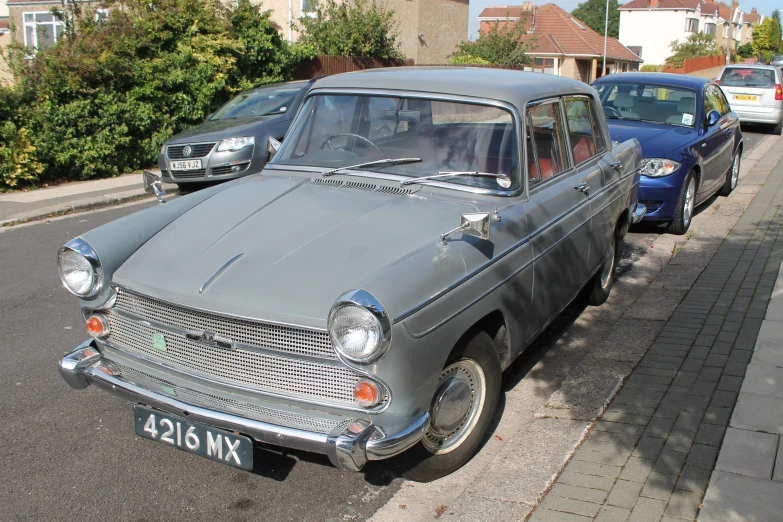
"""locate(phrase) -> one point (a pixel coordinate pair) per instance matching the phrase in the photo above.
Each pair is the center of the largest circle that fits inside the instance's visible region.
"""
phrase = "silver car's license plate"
(194, 437)
(186, 165)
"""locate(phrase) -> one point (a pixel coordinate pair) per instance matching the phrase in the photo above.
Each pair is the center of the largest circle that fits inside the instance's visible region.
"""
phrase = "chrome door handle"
(616, 165)
(728, 132)
(583, 187)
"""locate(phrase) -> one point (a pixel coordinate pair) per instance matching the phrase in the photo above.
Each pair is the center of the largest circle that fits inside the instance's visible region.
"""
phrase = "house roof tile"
(504, 12)
(662, 4)
(557, 32)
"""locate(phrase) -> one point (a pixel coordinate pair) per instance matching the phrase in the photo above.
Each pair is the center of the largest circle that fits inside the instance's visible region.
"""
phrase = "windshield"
(258, 102)
(335, 131)
(648, 102)
(748, 77)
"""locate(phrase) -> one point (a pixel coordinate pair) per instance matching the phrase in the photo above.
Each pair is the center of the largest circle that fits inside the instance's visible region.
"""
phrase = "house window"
(692, 25)
(41, 30)
(709, 28)
(307, 8)
(101, 15)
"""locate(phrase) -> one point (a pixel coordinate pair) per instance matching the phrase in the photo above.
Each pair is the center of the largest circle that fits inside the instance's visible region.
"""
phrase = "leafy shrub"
(502, 44)
(104, 99)
(466, 59)
(351, 28)
(17, 154)
(651, 68)
(695, 45)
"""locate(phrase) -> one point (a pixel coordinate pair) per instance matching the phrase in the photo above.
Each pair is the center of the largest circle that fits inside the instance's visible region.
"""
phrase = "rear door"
(749, 89)
(559, 214)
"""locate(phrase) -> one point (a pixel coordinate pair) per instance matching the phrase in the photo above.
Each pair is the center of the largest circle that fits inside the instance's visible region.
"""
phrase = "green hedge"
(104, 99)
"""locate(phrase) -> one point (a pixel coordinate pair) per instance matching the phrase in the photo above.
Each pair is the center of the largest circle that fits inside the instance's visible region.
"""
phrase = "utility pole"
(606, 32)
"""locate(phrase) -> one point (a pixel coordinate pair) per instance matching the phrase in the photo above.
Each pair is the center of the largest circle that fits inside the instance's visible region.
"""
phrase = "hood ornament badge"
(218, 272)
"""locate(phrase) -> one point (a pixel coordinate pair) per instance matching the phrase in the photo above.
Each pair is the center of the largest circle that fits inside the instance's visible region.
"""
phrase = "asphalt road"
(73, 454)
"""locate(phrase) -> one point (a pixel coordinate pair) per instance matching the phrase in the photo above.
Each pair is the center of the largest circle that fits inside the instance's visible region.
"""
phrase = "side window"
(546, 139)
(710, 103)
(585, 137)
(723, 104)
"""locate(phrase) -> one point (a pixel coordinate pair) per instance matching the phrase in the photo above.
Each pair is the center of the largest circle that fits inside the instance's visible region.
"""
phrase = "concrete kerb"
(530, 402)
(81, 206)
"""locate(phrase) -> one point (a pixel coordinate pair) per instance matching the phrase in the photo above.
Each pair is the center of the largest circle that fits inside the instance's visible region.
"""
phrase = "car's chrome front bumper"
(348, 447)
(636, 213)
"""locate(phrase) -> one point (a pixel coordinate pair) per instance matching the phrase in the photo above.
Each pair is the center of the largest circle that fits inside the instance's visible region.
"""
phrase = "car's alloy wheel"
(732, 177)
(685, 205)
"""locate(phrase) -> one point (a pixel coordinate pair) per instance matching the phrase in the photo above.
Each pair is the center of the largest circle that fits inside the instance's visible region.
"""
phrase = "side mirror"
(472, 225)
(712, 118)
(153, 185)
(272, 146)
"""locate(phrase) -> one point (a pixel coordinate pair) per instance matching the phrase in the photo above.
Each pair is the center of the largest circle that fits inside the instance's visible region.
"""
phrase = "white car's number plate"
(194, 437)
(186, 165)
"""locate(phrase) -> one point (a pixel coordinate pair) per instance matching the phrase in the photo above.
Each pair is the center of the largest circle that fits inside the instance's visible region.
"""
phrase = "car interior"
(735, 77)
(649, 103)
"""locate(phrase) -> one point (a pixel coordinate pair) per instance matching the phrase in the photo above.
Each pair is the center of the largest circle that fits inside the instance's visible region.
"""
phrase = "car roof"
(514, 87)
(295, 83)
(674, 80)
(751, 66)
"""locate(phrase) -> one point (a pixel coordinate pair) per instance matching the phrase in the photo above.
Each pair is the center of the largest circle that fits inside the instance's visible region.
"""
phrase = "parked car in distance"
(231, 142)
(415, 232)
(691, 140)
(777, 61)
(755, 93)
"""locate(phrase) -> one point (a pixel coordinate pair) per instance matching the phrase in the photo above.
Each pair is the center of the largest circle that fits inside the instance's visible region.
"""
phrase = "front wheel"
(685, 205)
(460, 413)
(732, 177)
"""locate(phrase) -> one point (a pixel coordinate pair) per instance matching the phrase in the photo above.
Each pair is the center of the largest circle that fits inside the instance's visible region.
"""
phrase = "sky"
(764, 7)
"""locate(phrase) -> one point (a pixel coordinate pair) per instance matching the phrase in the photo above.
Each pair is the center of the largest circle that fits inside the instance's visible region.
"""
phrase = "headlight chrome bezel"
(83, 248)
(236, 143)
(368, 302)
(659, 167)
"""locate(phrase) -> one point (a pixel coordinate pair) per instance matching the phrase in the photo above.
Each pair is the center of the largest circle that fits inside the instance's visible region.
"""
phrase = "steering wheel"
(328, 141)
(611, 111)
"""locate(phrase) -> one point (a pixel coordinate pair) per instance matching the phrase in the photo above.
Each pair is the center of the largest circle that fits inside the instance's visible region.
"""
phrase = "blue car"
(691, 140)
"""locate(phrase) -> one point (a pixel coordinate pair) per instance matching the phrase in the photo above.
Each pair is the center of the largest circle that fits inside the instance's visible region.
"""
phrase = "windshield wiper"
(456, 173)
(387, 161)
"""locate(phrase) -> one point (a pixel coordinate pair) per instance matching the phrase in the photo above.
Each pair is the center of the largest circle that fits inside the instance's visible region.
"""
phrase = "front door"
(558, 217)
(716, 148)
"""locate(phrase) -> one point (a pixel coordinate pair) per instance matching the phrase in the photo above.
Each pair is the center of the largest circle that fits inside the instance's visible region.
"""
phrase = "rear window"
(748, 77)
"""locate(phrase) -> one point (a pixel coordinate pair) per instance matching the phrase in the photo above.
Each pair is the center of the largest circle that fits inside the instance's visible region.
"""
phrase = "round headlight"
(79, 268)
(359, 327)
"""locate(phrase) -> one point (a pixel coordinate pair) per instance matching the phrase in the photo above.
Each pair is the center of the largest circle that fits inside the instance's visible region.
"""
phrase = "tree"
(351, 28)
(503, 44)
(766, 38)
(776, 17)
(745, 50)
(593, 13)
(695, 46)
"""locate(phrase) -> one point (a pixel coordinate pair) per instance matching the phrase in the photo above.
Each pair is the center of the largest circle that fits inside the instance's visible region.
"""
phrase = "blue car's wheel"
(685, 205)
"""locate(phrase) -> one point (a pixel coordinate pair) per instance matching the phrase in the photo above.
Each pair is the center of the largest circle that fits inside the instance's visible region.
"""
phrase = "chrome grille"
(186, 174)
(244, 367)
(199, 150)
(225, 404)
(275, 337)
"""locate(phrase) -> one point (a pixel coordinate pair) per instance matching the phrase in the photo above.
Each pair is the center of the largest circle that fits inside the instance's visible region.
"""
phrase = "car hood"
(656, 139)
(222, 129)
(300, 245)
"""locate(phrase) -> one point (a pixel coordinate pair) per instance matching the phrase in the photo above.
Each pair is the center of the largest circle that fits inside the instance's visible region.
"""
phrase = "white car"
(755, 93)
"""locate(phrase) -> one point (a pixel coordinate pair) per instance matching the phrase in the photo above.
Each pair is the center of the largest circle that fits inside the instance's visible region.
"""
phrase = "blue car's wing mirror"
(712, 118)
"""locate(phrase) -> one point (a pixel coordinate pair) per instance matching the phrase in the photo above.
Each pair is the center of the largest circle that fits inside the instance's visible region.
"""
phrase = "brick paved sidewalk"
(650, 456)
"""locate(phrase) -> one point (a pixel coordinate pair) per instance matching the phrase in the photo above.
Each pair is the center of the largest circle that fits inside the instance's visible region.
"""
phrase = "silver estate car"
(754, 93)
(415, 232)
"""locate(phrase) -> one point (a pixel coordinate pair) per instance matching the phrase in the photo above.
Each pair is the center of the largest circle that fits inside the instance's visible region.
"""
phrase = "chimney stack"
(753, 10)
(527, 6)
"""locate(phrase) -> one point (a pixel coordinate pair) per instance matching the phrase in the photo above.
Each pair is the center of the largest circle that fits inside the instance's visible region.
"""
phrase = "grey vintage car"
(414, 233)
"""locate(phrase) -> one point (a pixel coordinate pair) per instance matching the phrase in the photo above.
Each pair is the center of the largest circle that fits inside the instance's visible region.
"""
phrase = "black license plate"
(194, 437)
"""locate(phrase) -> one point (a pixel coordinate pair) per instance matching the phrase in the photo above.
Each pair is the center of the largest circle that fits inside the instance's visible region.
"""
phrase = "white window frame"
(303, 12)
(689, 22)
(34, 25)
(101, 12)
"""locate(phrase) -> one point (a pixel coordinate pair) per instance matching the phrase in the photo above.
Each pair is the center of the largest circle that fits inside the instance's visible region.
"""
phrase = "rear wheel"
(732, 176)
(460, 413)
(685, 205)
(604, 279)
(777, 129)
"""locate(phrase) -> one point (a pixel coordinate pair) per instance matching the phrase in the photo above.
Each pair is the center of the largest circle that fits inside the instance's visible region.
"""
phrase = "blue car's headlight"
(658, 167)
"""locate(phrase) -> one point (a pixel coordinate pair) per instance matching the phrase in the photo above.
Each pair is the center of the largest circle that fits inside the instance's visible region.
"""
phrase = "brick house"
(562, 44)
(429, 29)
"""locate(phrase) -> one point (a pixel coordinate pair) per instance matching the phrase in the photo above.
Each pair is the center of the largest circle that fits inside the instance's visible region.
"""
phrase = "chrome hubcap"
(456, 407)
(735, 169)
(687, 207)
(608, 268)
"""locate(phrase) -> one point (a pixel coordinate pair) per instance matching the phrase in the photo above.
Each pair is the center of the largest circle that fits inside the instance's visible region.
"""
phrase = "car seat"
(685, 105)
(624, 103)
